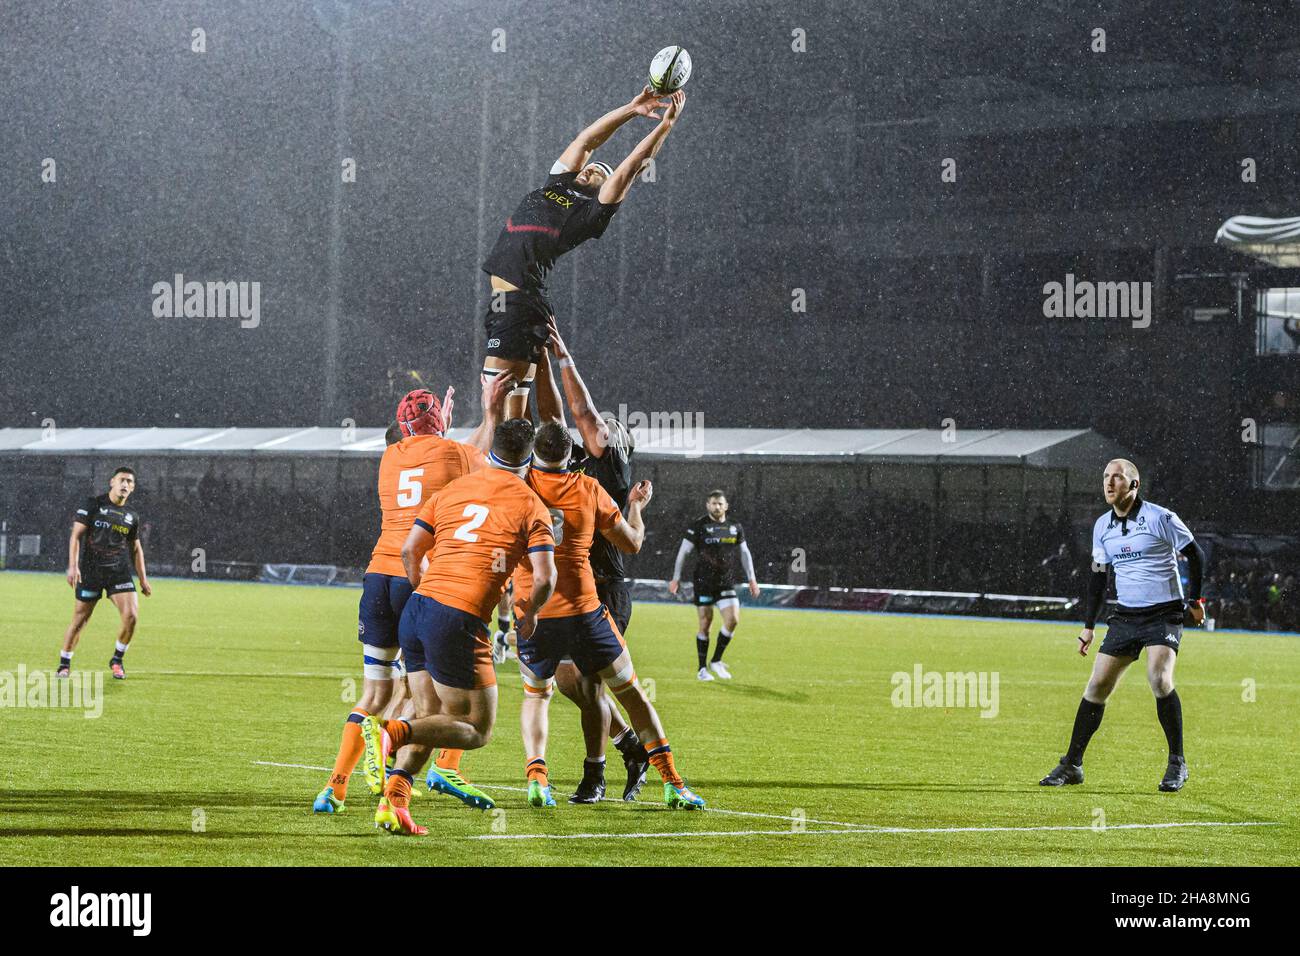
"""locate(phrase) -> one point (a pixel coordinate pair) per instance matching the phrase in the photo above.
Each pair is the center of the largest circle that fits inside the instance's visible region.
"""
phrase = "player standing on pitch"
(475, 530)
(606, 455)
(575, 204)
(719, 540)
(1141, 541)
(105, 543)
(418, 462)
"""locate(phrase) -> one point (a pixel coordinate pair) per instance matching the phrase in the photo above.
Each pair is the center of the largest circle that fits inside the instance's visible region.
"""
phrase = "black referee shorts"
(1131, 629)
(617, 597)
(518, 332)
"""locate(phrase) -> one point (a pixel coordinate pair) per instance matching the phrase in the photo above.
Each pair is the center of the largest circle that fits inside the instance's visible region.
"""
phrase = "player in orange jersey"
(420, 462)
(574, 624)
(475, 531)
(604, 453)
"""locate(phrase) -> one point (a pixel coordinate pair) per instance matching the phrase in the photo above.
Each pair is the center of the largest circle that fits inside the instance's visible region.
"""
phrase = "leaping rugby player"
(417, 465)
(575, 204)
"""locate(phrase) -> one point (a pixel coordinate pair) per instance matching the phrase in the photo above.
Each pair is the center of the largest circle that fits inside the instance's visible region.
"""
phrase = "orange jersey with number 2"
(482, 525)
(411, 472)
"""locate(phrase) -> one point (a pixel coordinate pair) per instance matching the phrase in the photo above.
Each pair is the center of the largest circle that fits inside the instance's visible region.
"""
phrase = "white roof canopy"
(1052, 448)
(1275, 241)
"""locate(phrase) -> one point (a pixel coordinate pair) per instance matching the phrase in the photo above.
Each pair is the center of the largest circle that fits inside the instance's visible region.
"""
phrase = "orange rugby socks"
(399, 734)
(449, 759)
(536, 770)
(397, 789)
(661, 755)
(351, 747)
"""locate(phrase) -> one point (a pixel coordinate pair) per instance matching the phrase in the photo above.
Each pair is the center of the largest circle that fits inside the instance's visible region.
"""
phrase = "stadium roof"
(1057, 448)
(1275, 241)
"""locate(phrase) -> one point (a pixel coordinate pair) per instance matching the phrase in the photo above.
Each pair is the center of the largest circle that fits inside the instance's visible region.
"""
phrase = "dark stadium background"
(816, 171)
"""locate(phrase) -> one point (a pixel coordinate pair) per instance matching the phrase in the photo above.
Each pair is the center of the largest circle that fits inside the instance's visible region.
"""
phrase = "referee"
(105, 543)
(1141, 541)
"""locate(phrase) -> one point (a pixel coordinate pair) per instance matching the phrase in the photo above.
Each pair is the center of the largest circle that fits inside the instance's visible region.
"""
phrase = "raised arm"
(549, 408)
(577, 153)
(592, 428)
(492, 400)
(615, 189)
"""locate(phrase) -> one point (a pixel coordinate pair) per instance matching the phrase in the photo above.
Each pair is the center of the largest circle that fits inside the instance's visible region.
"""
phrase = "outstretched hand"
(641, 493)
(646, 102)
(675, 104)
(554, 342)
(495, 389)
(446, 407)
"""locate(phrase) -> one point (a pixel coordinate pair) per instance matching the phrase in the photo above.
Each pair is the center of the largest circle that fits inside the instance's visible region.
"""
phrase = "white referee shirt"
(1143, 548)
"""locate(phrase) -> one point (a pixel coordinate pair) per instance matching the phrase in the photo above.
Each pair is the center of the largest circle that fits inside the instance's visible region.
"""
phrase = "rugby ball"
(670, 69)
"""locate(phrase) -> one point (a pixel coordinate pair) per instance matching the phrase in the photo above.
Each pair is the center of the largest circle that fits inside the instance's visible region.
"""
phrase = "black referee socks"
(1086, 722)
(1170, 711)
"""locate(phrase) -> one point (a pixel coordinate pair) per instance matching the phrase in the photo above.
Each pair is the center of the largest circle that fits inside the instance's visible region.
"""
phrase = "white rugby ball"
(670, 69)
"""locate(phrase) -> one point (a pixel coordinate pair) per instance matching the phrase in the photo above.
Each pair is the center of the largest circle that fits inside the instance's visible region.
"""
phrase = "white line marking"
(866, 828)
(559, 793)
(857, 832)
(880, 680)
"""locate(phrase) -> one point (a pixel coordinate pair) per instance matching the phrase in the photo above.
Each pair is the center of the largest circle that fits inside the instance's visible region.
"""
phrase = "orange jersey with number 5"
(410, 473)
(579, 509)
(482, 526)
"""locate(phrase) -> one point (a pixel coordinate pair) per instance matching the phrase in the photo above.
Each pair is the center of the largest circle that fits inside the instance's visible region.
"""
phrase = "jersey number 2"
(477, 514)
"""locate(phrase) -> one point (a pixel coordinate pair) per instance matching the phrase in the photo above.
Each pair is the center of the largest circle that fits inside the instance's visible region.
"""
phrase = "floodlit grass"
(803, 757)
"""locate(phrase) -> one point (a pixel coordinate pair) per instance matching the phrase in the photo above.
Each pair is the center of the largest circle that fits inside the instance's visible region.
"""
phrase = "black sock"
(1170, 711)
(596, 764)
(723, 640)
(702, 648)
(65, 659)
(1086, 721)
(503, 625)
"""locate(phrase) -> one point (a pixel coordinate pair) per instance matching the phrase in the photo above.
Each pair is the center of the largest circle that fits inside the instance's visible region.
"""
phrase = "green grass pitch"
(803, 757)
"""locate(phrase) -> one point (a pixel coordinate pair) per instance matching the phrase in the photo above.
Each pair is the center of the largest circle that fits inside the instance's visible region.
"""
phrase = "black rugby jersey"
(111, 532)
(547, 223)
(717, 544)
(613, 471)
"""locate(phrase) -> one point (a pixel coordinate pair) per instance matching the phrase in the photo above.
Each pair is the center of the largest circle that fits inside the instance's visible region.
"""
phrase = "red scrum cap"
(420, 413)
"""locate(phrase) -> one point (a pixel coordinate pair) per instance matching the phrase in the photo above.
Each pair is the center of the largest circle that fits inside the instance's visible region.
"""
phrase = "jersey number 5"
(409, 491)
(477, 514)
